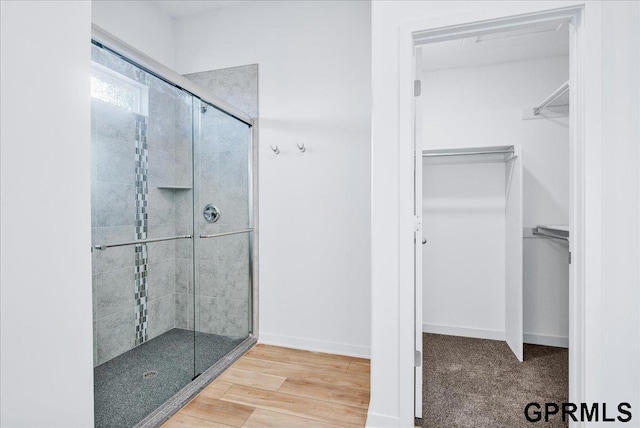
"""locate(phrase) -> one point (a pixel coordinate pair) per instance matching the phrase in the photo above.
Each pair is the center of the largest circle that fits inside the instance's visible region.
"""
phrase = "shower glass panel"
(142, 136)
(172, 240)
(222, 178)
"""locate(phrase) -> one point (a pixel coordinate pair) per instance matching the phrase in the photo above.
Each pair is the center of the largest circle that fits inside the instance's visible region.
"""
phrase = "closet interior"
(496, 186)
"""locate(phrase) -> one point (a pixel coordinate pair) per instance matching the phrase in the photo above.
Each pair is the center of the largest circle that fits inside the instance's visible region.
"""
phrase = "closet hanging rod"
(551, 98)
(550, 233)
(492, 152)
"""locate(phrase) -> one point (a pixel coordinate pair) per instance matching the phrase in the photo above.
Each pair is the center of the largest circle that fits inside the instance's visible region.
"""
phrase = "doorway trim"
(447, 27)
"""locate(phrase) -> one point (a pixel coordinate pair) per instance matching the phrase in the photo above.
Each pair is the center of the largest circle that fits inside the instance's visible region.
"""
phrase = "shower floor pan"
(134, 384)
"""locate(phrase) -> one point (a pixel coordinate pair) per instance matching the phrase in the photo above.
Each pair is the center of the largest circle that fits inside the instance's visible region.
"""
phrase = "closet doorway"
(497, 215)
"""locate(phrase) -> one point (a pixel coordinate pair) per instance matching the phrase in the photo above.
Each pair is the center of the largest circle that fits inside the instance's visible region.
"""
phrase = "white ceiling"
(544, 41)
(181, 8)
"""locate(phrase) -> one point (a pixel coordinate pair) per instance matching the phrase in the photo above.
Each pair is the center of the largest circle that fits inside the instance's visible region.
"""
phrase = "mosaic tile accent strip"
(142, 202)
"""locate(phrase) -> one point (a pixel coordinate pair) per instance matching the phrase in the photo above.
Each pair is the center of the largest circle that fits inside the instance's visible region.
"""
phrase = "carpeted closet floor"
(479, 383)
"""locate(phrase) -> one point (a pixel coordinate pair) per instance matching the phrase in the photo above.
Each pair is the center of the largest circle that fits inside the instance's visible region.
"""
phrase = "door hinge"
(418, 358)
(417, 223)
(417, 88)
(569, 257)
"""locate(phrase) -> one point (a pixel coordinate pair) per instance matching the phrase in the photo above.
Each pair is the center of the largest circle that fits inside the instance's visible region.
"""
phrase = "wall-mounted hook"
(301, 147)
(275, 149)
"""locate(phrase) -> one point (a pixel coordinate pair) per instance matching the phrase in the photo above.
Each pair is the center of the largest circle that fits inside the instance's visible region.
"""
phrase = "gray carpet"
(479, 383)
(123, 397)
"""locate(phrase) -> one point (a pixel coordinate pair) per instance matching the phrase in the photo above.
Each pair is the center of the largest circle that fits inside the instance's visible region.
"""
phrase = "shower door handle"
(217, 235)
(139, 242)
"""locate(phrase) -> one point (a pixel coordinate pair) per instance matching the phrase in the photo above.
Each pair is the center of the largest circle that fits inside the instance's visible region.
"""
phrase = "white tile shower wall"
(170, 130)
(222, 294)
(162, 172)
(236, 85)
(114, 211)
(222, 265)
(182, 299)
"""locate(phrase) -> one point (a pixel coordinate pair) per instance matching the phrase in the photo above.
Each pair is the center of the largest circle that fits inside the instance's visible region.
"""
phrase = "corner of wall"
(142, 24)
(337, 348)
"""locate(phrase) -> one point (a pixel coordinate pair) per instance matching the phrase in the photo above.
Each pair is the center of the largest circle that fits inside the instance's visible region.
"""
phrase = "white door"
(418, 238)
(513, 324)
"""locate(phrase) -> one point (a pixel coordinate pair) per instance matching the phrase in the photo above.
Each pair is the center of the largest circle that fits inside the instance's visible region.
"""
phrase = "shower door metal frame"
(161, 71)
(128, 53)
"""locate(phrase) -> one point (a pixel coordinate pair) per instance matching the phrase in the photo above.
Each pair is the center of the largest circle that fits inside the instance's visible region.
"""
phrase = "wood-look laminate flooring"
(279, 387)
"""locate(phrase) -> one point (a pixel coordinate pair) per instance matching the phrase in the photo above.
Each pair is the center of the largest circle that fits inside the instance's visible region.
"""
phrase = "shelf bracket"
(547, 105)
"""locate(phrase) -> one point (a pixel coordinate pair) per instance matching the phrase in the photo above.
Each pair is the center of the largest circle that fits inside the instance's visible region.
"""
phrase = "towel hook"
(275, 149)
(301, 147)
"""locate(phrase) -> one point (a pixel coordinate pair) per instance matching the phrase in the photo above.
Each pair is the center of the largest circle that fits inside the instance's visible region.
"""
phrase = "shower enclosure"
(172, 230)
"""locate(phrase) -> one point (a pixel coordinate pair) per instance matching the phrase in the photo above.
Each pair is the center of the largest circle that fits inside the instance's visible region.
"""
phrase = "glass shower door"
(142, 199)
(172, 237)
(222, 234)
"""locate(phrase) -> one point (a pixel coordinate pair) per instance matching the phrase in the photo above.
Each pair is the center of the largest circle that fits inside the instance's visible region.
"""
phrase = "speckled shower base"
(480, 384)
(124, 395)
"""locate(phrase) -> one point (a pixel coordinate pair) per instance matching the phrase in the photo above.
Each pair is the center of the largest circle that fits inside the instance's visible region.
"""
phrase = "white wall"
(464, 258)
(46, 356)
(620, 292)
(142, 24)
(610, 272)
(314, 88)
(482, 106)
(546, 291)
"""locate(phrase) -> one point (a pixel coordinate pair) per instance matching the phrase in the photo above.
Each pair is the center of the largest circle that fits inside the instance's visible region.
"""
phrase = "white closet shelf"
(469, 155)
(555, 105)
(552, 231)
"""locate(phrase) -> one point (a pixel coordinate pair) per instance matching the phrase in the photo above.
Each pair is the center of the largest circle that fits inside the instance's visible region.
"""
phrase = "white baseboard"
(376, 420)
(542, 339)
(463, 331)
(531, 338)
(314, 345)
